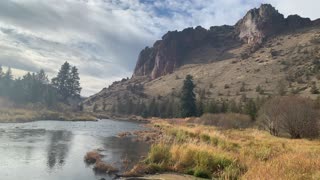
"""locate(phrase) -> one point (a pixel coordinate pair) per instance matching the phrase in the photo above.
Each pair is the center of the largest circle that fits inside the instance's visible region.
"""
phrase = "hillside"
(262, 54)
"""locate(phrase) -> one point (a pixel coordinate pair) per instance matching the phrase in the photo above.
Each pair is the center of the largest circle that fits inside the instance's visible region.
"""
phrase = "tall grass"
(190, 159)
(210, 152)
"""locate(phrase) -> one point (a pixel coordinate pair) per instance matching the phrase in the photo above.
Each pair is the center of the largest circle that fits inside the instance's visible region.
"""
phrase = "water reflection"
(58, 147)
(54, 150)
(124, 152)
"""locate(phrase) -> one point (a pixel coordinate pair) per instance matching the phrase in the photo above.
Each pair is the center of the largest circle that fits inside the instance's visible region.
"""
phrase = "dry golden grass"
(233, 154)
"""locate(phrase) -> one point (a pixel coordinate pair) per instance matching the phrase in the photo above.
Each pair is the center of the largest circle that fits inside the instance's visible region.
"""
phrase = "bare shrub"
(293, 115)
(226, 121)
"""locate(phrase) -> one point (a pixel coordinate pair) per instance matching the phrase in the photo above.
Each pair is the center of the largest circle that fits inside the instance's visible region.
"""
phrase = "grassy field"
(27, 115)
(209, 152)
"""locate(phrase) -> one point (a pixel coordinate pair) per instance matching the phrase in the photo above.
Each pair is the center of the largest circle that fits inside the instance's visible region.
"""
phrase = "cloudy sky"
(103, 37)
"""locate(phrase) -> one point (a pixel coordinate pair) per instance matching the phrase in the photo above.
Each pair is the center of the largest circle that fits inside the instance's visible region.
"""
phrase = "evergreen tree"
(153, 108)
(233, 107)
(169, 109)
(61, 82)
(129, 107)
(51, 97)
(67, 82)
(7, 83)
(8, 75)
(42, 77)
(74, 82)
(200, 109)
(251, 109)
(224, 106)
(211, 107)
(144, 112)
(188, 100)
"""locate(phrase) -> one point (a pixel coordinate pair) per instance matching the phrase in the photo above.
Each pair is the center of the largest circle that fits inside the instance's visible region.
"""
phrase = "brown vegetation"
(103, 167)
(295, 116)
(210, 152)
(226, 121)
(92, 157)
(124, 134)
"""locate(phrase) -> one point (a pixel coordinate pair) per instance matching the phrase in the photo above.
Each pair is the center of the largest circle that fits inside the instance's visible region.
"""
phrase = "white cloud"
(103, 37)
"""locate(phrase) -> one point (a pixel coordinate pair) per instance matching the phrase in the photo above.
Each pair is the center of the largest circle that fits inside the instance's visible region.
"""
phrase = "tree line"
(37, 88)
(187, 105)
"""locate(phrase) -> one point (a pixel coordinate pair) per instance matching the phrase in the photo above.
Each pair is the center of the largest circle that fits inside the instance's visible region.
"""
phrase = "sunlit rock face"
(259, 23)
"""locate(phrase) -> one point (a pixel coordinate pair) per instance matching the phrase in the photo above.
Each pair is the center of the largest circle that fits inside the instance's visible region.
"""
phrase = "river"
(54, 150)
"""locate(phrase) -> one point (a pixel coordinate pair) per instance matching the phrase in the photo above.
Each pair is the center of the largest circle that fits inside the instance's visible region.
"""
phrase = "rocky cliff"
(276, 49)
(170, 52)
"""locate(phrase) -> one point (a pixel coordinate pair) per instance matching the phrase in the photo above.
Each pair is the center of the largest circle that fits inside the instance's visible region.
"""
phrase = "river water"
(54, 150)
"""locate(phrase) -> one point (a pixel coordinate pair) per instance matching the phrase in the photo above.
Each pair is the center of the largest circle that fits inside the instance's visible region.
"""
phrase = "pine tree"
(251, 109)
(224, 106)
(8, 75)
(153, 108)
(7, 83)
(233, 107)
(61, 81)
(67, 82)
(42, 77)
(200, 108)
(188, 100)
(74, 82)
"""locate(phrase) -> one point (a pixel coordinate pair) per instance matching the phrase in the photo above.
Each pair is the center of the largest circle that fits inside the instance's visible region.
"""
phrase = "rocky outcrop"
(294, 22)
(258, 24)
(168, 53)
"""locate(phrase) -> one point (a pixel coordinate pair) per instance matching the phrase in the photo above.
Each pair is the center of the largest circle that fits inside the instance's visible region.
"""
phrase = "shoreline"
(28, 115)
(25, 116)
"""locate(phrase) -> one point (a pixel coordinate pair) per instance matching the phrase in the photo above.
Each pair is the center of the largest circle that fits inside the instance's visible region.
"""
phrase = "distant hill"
(262, 54)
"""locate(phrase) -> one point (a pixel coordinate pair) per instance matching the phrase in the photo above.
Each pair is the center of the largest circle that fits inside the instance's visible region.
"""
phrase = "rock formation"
(169, 53)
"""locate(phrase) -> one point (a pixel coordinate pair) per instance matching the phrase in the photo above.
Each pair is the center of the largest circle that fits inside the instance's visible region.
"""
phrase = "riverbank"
(211, 152)
(131, 118)
(16, 115)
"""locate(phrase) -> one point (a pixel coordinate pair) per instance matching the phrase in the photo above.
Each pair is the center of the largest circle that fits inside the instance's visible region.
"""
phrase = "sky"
(104, 37)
